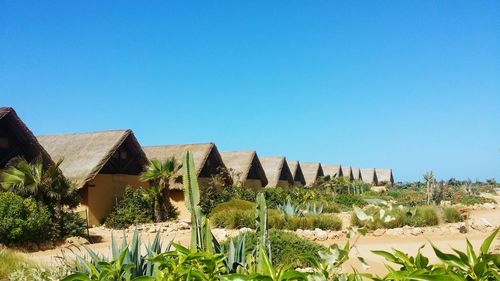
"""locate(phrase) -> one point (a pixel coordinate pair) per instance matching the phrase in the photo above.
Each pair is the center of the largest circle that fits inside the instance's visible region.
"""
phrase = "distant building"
(312, 171)
(246, 169)
(16, 140)
(296, 170)
(277, 171)
(100, 165)
(207, 161)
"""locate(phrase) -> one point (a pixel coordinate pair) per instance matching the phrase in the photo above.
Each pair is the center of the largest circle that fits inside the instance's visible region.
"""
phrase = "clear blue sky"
(412, 85)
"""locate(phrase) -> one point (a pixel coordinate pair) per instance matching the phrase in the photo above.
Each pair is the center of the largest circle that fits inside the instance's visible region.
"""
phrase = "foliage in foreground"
(205, 259)
(36, 203)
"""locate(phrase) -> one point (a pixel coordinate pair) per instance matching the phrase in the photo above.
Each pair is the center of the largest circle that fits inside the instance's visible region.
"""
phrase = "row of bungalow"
(102, 164)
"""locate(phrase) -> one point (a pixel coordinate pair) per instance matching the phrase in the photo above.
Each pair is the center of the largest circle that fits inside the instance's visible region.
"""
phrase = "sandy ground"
(365, 244)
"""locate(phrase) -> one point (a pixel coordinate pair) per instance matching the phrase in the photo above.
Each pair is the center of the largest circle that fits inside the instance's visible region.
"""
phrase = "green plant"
(472, 200)
(23, 221)
(451, 214)
(286, 247)
(454, 266)
(158, 174)
(346, 201)
(290, 210)
(134, 208)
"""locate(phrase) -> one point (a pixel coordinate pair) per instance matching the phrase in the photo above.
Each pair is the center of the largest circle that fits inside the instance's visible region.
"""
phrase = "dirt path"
(408, 243)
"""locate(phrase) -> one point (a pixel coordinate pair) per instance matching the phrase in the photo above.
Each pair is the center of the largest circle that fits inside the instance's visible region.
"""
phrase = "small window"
(4, 142)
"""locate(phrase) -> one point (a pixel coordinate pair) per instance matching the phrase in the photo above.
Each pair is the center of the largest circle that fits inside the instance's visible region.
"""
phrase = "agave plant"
(290, 210)
(312, 208)
(126, 261)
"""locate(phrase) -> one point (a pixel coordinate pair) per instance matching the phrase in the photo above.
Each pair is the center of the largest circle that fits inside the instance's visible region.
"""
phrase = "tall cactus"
(192, 199)
(263, 244)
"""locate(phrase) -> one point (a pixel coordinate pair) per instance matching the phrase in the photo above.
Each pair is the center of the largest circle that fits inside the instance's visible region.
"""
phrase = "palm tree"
(62, 193)
(30, 178)
(155, 193)
(159, 174)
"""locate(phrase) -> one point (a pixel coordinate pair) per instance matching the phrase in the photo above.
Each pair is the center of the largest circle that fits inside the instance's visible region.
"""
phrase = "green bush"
(134, 208)
(330, 206)
(412, 198)
(346, 201)
(73, 225)
(425, 216)
(472, 200)
(23, 221)
(286, 247)
(451, 215)
(240, 213)
(419, 216)
(323, 221)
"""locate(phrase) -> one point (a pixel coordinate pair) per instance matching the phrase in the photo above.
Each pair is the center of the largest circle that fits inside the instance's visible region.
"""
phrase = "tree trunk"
(157, 209)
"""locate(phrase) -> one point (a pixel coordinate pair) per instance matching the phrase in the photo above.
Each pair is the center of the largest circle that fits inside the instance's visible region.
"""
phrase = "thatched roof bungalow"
(100, 165)
(368, 176)
(207, 161)
(277, 171)
(346, 171)
(356, 173)
(332, 170)
(312, 171)
(384, 176)
(296, 170)
(16, 140)
(245, 167)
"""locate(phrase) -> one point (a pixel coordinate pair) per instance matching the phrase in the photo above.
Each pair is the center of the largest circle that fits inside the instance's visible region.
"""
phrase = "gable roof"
(347, 172)
(384, 175)
(296, 170)
(356, 173)
(242, 162)
(312, 171)
(332, 170)
(15, 125)
(368, 175)
(274, 167)
(200, 151)
(85, 154)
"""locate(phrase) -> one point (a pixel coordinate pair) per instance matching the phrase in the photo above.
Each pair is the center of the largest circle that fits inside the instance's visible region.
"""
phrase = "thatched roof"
(368, 175)
(332, 170)
(276, 168)
(312, 171)
(384, 175)
(356, 173)
(242, 162)
(85, 154)
(296, 170)
(201, 153)
(25, 143)
(347, 172)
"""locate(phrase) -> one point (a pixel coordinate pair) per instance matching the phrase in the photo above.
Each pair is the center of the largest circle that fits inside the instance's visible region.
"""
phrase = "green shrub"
(211, 197)
(472, 200)
(73, 225)
(425, 216)
(134, 208)
(330, 206)
(286, 247)
(234, 204)
(240, 213)
(23, 221)
(412, 198)
(346, 201)
(451, 215)
(323, 221)
(419, 216)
